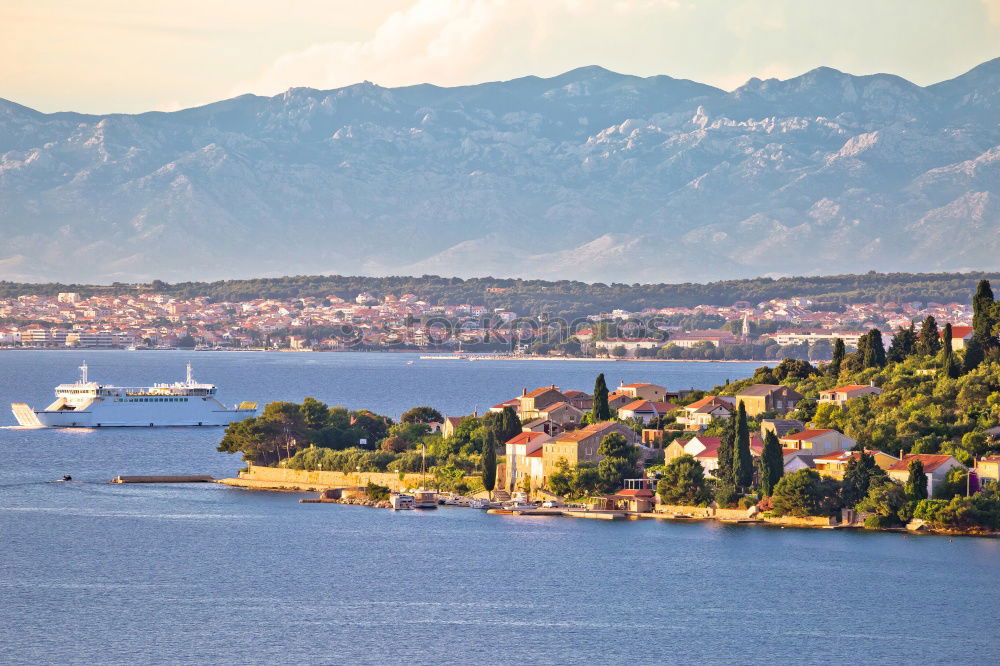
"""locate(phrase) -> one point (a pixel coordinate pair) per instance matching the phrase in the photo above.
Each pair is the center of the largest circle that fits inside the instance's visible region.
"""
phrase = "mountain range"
(589, 175)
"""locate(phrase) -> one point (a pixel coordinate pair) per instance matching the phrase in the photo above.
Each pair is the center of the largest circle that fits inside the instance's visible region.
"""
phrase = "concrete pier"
(180, 478)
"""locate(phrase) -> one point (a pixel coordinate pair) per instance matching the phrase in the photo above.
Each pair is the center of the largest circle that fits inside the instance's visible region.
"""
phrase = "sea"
(94, 573)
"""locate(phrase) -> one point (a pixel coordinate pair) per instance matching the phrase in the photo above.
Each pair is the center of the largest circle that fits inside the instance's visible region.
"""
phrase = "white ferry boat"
(87, 404)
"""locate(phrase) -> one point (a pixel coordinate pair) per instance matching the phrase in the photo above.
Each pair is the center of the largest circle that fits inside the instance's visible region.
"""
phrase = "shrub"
(376, 492)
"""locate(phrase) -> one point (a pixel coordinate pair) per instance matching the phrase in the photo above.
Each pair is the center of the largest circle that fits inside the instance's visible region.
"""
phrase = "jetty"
(175, 478)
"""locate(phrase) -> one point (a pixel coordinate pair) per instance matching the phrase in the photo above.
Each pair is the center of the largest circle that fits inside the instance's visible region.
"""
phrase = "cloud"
(447, 42)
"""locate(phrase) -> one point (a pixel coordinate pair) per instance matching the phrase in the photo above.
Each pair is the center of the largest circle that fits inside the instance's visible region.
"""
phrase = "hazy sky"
(129, 55)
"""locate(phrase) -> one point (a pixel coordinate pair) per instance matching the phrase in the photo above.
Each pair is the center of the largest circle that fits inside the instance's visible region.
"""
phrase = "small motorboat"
(479, 504)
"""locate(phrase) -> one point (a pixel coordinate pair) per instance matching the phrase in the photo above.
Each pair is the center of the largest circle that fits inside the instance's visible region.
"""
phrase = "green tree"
(560, 481)
(973, 354)
(929, 342)
(804, 493)
(916, 482)
(618, 462)
(683, 482)
(772, 464)
(489, 462)
(600, 410)
(948, 362)
(742, 458)
(984, 322)
(885, 499)
(904, 344)
(316, 414)
(861, 472)
(727, 452)
(510, 423)
(874, 350)
(422, 414)
(839, 352)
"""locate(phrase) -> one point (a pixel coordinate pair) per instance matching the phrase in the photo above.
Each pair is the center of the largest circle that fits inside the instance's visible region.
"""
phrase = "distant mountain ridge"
(589, 175)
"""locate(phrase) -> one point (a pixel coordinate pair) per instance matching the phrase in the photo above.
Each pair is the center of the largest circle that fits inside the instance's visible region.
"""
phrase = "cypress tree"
(983, 322)
(948, 362)
(727, 452)
(772, 464)
(930, 342)
(489, 462)
(839, 352)
(600, 411)
(916, 483)
(742, 460)
(874, 350)
(510, 423)
(973, 354)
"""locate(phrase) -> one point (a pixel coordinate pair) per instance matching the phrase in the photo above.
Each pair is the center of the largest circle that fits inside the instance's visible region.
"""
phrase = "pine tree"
(489, 462)
(727, 452)
(600, 411)
(772, 464)
(929, 343)
(916, 483)
(839, 352)
(904, 343)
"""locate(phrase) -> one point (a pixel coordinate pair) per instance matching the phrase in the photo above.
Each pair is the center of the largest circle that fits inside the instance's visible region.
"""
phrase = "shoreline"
(811, 522)
(440, 356)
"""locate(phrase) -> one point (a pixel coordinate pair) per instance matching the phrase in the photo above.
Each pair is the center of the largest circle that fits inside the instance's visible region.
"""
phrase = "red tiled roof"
(633, 492)
(931, 461)
(537, 453)
(525, 437)
(539, 391)
(958, 332)
(850, 387)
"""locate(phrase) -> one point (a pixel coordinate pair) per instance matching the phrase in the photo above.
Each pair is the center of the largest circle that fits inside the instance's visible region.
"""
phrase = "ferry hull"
(124, 417)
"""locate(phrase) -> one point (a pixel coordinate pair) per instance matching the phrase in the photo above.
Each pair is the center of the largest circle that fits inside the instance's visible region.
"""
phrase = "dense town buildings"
(406, 321)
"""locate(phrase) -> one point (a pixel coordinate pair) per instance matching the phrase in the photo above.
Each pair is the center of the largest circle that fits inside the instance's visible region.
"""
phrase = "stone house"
(761, 398)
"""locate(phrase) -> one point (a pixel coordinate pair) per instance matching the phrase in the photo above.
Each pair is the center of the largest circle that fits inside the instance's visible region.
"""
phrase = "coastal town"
(777, 328)
(853, 442)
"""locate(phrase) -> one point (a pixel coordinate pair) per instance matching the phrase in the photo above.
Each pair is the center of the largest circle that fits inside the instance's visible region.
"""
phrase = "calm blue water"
(96, 573)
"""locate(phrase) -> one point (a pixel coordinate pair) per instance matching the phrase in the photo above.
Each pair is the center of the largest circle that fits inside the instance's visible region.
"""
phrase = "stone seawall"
(279, 478)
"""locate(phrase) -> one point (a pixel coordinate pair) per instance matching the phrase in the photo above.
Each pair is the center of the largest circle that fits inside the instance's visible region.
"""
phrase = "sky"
(104, 56)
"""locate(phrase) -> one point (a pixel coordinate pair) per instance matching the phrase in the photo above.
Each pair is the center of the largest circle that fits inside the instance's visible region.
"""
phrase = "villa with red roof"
(643, 390)
(840, 395)
(700, 413)
(819, 442)
(524, 455)
(935, 467)
(959, 336)
(834, 465)
(645, 410)
(706, 451)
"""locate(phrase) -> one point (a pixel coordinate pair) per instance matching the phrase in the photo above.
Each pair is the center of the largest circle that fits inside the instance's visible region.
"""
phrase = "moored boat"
(401, 501)
(424, 499)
